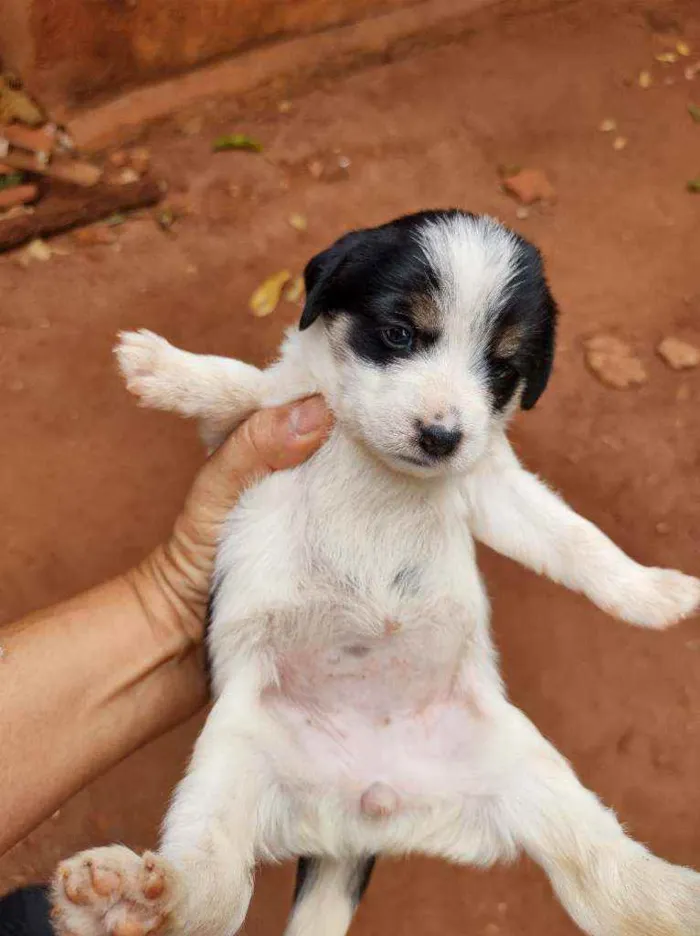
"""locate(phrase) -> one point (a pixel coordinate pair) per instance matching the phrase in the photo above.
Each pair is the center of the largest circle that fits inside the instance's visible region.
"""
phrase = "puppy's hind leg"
(610, 884)
(327, 894)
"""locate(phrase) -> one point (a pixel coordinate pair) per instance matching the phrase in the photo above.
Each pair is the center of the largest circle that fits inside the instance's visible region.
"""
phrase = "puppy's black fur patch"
(307, 874)
(374, 276)
(381, 277)
(530, 310)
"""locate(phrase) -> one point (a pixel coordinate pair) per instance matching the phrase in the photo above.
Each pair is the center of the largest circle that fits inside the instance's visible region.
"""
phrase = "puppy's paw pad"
(111, 892)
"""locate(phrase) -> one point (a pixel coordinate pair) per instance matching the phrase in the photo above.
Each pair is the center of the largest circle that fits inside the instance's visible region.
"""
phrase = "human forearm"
(81, 686)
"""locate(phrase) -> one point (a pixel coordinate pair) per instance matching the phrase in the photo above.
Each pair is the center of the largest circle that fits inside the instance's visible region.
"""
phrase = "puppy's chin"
(418, 466)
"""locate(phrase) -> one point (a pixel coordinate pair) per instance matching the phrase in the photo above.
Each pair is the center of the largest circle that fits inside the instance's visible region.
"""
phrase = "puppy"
(358, 704)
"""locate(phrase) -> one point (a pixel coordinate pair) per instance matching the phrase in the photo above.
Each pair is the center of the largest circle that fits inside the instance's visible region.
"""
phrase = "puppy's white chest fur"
(373, 607)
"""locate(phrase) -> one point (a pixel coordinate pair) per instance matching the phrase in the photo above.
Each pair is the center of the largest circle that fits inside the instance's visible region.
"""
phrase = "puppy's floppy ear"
(318, 275)
(540, 351)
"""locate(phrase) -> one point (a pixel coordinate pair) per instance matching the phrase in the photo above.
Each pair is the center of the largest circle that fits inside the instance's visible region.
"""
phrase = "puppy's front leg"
(513, 512)
(219, 392)
(200, 881)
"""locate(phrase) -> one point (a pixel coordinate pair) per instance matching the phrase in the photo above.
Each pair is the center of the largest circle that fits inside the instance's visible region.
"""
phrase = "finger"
(271, 440)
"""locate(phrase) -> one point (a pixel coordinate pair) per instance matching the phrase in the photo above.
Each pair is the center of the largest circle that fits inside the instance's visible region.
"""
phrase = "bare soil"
(89, 483)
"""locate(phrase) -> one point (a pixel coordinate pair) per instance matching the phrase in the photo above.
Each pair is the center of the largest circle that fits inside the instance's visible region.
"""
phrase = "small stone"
(316, 168)
(662, 528)
(191, 126)
(682, 48)
(679, 355)
(644, 80)
(502, 909)
(613, 362)
(118, 159)
(284, 107)
(140, 159)
(44, 323)
(128, 176)
(608, 125)
(522, 212)
(690, 71)
(619, 143)
(529, 186)
(97, 235)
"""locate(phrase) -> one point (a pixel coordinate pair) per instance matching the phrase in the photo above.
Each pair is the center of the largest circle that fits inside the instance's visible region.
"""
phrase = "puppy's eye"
(398, 337)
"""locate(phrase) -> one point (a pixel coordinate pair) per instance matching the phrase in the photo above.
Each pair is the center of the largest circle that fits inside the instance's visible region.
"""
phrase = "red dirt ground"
(89, 482)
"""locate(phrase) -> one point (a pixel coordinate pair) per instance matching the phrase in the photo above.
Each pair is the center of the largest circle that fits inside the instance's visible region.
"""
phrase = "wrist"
(171, 602)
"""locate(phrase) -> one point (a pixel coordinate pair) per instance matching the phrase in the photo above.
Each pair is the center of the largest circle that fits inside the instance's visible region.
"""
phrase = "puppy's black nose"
(437, 441)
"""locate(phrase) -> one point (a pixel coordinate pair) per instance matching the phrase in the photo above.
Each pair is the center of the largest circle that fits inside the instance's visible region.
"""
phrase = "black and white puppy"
(358, 704)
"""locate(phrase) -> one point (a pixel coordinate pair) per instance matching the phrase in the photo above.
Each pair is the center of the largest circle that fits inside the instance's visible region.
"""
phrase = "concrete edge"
(294, 60)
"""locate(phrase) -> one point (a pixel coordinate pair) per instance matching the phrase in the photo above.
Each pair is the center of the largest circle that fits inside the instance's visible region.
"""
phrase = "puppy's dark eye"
(398, 337)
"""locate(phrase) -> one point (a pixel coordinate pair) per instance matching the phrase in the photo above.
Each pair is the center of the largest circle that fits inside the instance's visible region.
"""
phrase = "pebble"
(613, 362)
(678, 354)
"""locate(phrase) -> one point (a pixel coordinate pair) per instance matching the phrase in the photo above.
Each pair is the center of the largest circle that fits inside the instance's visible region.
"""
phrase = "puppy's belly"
(382, 729)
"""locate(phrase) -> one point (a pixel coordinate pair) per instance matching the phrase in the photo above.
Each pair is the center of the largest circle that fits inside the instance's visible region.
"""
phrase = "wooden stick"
(64, 207)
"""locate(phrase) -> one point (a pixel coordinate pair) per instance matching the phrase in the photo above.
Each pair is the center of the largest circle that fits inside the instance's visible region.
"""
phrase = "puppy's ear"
(318, 275)
(540, 351)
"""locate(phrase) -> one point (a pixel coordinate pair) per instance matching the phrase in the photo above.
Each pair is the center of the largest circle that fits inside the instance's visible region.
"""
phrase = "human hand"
(173, 582)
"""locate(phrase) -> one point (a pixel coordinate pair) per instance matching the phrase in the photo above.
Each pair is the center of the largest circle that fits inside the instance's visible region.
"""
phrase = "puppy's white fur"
(351, 648)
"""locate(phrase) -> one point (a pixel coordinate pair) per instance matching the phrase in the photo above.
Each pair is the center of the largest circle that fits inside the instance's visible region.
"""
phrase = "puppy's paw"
(658, 598)
(660, 900)
(152, 368)
(113, 892)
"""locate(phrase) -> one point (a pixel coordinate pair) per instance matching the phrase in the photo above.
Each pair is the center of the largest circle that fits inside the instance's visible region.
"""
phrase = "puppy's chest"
(389, 634)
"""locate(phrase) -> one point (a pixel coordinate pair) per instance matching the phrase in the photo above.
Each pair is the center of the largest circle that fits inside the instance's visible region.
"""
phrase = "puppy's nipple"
(379, 801)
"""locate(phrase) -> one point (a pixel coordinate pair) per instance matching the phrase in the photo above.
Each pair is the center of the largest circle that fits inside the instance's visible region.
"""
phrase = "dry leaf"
(694, 112)
(298, 222)
(236, 141)
(693, 185)
(607, 125)
(682, 48)
(667, 58)
(619, 143)
(613, 362)
(644, 80)
(266, 297)
(679, 355)
(16, 105)
(295, 290)
(38, 250)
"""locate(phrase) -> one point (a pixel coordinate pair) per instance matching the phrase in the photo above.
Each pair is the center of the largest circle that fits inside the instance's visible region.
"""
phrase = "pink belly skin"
(380, 728)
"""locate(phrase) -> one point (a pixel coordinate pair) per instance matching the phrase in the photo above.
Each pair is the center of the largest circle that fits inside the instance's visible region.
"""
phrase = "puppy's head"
(439, 325)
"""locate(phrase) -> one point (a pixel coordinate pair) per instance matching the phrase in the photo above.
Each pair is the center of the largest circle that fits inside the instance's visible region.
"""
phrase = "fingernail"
(308, 417)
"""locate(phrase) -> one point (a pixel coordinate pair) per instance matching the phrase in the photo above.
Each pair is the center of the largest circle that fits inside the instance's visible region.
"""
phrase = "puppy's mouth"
(425, 462)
